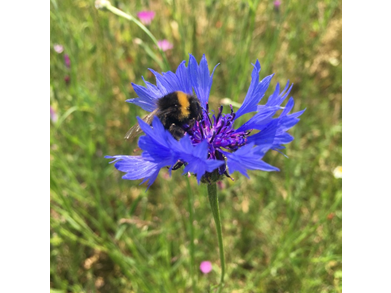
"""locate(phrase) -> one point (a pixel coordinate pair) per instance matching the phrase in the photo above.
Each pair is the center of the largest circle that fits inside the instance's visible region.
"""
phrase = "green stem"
(214, 204)
(108, 6)
(191, 228)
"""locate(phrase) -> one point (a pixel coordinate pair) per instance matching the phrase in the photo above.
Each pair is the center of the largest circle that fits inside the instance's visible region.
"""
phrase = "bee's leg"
(176, 131)
(191, 122)
(177, 165)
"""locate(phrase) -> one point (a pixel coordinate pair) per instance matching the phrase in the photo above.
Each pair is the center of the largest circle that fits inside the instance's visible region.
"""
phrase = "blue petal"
(259, 120)
(160, 148)
(157, 143)
(255, 92)
(247, 158)
(265, 138)
(153, 89)
(297, 114)
(288, 107)
(283, 138)
(145, 105)
(166, 83)
(147, 96)
(147, 93)
(116, 158)
(200, 79)
(151, 179)
(196, 157)
(288, 121)
(277, 98)
(272, 133)
(165, 86)
(136, 167)
(182, 74)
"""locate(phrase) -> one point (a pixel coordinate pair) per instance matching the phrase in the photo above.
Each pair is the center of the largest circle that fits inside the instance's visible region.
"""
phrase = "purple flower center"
(220, 134)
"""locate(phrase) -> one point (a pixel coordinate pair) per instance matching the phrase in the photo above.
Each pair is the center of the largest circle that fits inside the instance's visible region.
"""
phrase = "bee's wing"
(136, 129)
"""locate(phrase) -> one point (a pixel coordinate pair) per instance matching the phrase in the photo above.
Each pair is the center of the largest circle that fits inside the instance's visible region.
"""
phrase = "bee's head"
(195, 108)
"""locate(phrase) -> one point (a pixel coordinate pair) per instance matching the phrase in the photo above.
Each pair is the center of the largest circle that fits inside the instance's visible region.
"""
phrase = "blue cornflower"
(212, 144)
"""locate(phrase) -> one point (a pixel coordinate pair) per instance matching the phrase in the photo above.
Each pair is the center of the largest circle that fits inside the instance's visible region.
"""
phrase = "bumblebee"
(176, 111)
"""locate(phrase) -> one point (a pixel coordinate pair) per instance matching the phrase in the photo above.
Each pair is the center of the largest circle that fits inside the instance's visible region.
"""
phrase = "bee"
(175, 110)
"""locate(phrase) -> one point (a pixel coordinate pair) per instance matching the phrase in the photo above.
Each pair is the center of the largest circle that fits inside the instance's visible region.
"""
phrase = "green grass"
(282, 231)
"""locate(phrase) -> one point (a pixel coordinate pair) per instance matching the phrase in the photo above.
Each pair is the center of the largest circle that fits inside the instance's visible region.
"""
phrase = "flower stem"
(214, 204)
(191, 228)
(108, 6)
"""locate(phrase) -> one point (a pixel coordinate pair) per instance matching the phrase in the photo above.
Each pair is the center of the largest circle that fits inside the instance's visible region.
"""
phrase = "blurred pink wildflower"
(53, 115)
(221, 185)
(146, 16)
(277, 4)
(165, 45)
(67, 79)
(166, 176)
(67, 61)
(206, 267)
(58, 48)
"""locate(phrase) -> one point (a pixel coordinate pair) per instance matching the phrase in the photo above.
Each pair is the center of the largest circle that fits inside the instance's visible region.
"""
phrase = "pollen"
(184, 103)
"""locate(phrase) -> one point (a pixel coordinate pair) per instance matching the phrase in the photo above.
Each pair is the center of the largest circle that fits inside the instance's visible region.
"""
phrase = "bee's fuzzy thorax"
(183, 100)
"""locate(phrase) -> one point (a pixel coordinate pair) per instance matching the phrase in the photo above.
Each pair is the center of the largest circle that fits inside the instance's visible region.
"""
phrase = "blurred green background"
(282, 230)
